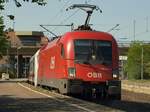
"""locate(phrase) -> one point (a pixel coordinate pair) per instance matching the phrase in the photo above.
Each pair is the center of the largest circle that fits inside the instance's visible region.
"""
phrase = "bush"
(133, 65)
(3, 69)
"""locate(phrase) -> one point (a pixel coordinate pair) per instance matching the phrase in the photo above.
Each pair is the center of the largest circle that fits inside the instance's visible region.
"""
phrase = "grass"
(137, 82)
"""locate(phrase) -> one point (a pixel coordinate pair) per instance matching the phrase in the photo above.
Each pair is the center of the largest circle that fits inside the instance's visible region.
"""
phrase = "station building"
(23, 45)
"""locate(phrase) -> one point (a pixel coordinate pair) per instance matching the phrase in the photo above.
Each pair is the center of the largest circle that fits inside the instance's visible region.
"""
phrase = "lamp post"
(134, 22)
(142, 61)
(7, 61)
(18, 61)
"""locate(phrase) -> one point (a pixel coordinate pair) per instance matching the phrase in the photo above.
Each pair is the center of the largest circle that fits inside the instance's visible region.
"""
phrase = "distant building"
(23, 45)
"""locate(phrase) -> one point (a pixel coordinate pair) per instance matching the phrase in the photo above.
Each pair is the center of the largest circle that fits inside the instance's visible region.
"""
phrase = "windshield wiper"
(86, 62)
(83, 62)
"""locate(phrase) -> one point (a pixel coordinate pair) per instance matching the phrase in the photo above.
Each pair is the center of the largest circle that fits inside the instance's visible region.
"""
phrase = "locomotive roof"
(78, 34)
(87, 34)
(87, 31)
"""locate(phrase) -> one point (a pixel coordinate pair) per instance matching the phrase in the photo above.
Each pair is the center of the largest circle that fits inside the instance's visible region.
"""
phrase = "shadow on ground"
(127, 106)
(13, 104)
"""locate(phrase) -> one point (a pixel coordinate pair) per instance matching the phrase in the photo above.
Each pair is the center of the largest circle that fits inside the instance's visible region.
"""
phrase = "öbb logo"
(94, 75)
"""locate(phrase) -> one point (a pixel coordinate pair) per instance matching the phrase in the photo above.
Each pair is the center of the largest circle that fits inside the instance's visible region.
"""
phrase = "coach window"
(62, 51)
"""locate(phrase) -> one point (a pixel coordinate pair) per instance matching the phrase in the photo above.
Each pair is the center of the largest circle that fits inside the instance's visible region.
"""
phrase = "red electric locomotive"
(82, 61)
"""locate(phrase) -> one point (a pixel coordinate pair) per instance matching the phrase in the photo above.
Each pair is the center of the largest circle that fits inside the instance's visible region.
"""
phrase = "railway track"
(22, 97)
(131, 102)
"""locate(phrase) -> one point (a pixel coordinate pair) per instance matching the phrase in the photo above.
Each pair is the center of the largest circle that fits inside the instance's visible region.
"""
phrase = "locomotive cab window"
(93, 51)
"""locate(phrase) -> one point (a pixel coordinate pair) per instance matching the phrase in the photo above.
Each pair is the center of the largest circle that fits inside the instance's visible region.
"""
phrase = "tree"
(147, 70)
(3, 41)
(39, 2)
(134, 62)
(146, 52)
(1, 4)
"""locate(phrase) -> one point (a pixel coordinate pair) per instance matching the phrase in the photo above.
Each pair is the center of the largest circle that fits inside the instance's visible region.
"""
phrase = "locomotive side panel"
(52, 71)
(33, 70)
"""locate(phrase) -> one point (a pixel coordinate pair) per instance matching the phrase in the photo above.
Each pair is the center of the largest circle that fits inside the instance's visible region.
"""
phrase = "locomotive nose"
(94, 73)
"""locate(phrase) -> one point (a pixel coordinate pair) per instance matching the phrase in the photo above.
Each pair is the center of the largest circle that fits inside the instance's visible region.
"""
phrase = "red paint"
(59, 67)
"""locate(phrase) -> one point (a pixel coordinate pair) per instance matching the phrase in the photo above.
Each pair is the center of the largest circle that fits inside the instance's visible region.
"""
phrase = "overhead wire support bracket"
(113, 28)
(48, 30)
(68, 25)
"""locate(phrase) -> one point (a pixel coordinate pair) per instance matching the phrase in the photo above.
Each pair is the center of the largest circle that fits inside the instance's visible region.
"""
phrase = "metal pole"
(19, 47)
(142, 63)
(134, 22)
(25, 67)
(17, 64)
(7, 60)
(122, 69)
(146, 24)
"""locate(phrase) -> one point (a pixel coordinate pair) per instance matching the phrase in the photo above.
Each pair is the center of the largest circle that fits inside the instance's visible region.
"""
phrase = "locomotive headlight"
(115, 74)
(72, 72)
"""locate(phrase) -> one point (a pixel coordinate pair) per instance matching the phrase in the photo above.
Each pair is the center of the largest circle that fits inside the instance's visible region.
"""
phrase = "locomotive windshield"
(93, 51)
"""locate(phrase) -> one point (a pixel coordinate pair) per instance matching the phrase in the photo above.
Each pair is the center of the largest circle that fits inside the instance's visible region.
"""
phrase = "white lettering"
(89, 75)
(94, 75)
(52, 63)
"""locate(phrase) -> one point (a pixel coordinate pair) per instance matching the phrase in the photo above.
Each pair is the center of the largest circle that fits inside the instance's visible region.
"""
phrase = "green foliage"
(10, 72)
(147, 70)
(133, 63)
(1, 4)
(133, 66)
(39, 2)
(146, 52)
(3, 41)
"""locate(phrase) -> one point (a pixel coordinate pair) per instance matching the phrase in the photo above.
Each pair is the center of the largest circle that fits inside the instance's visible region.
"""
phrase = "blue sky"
(122, 12)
